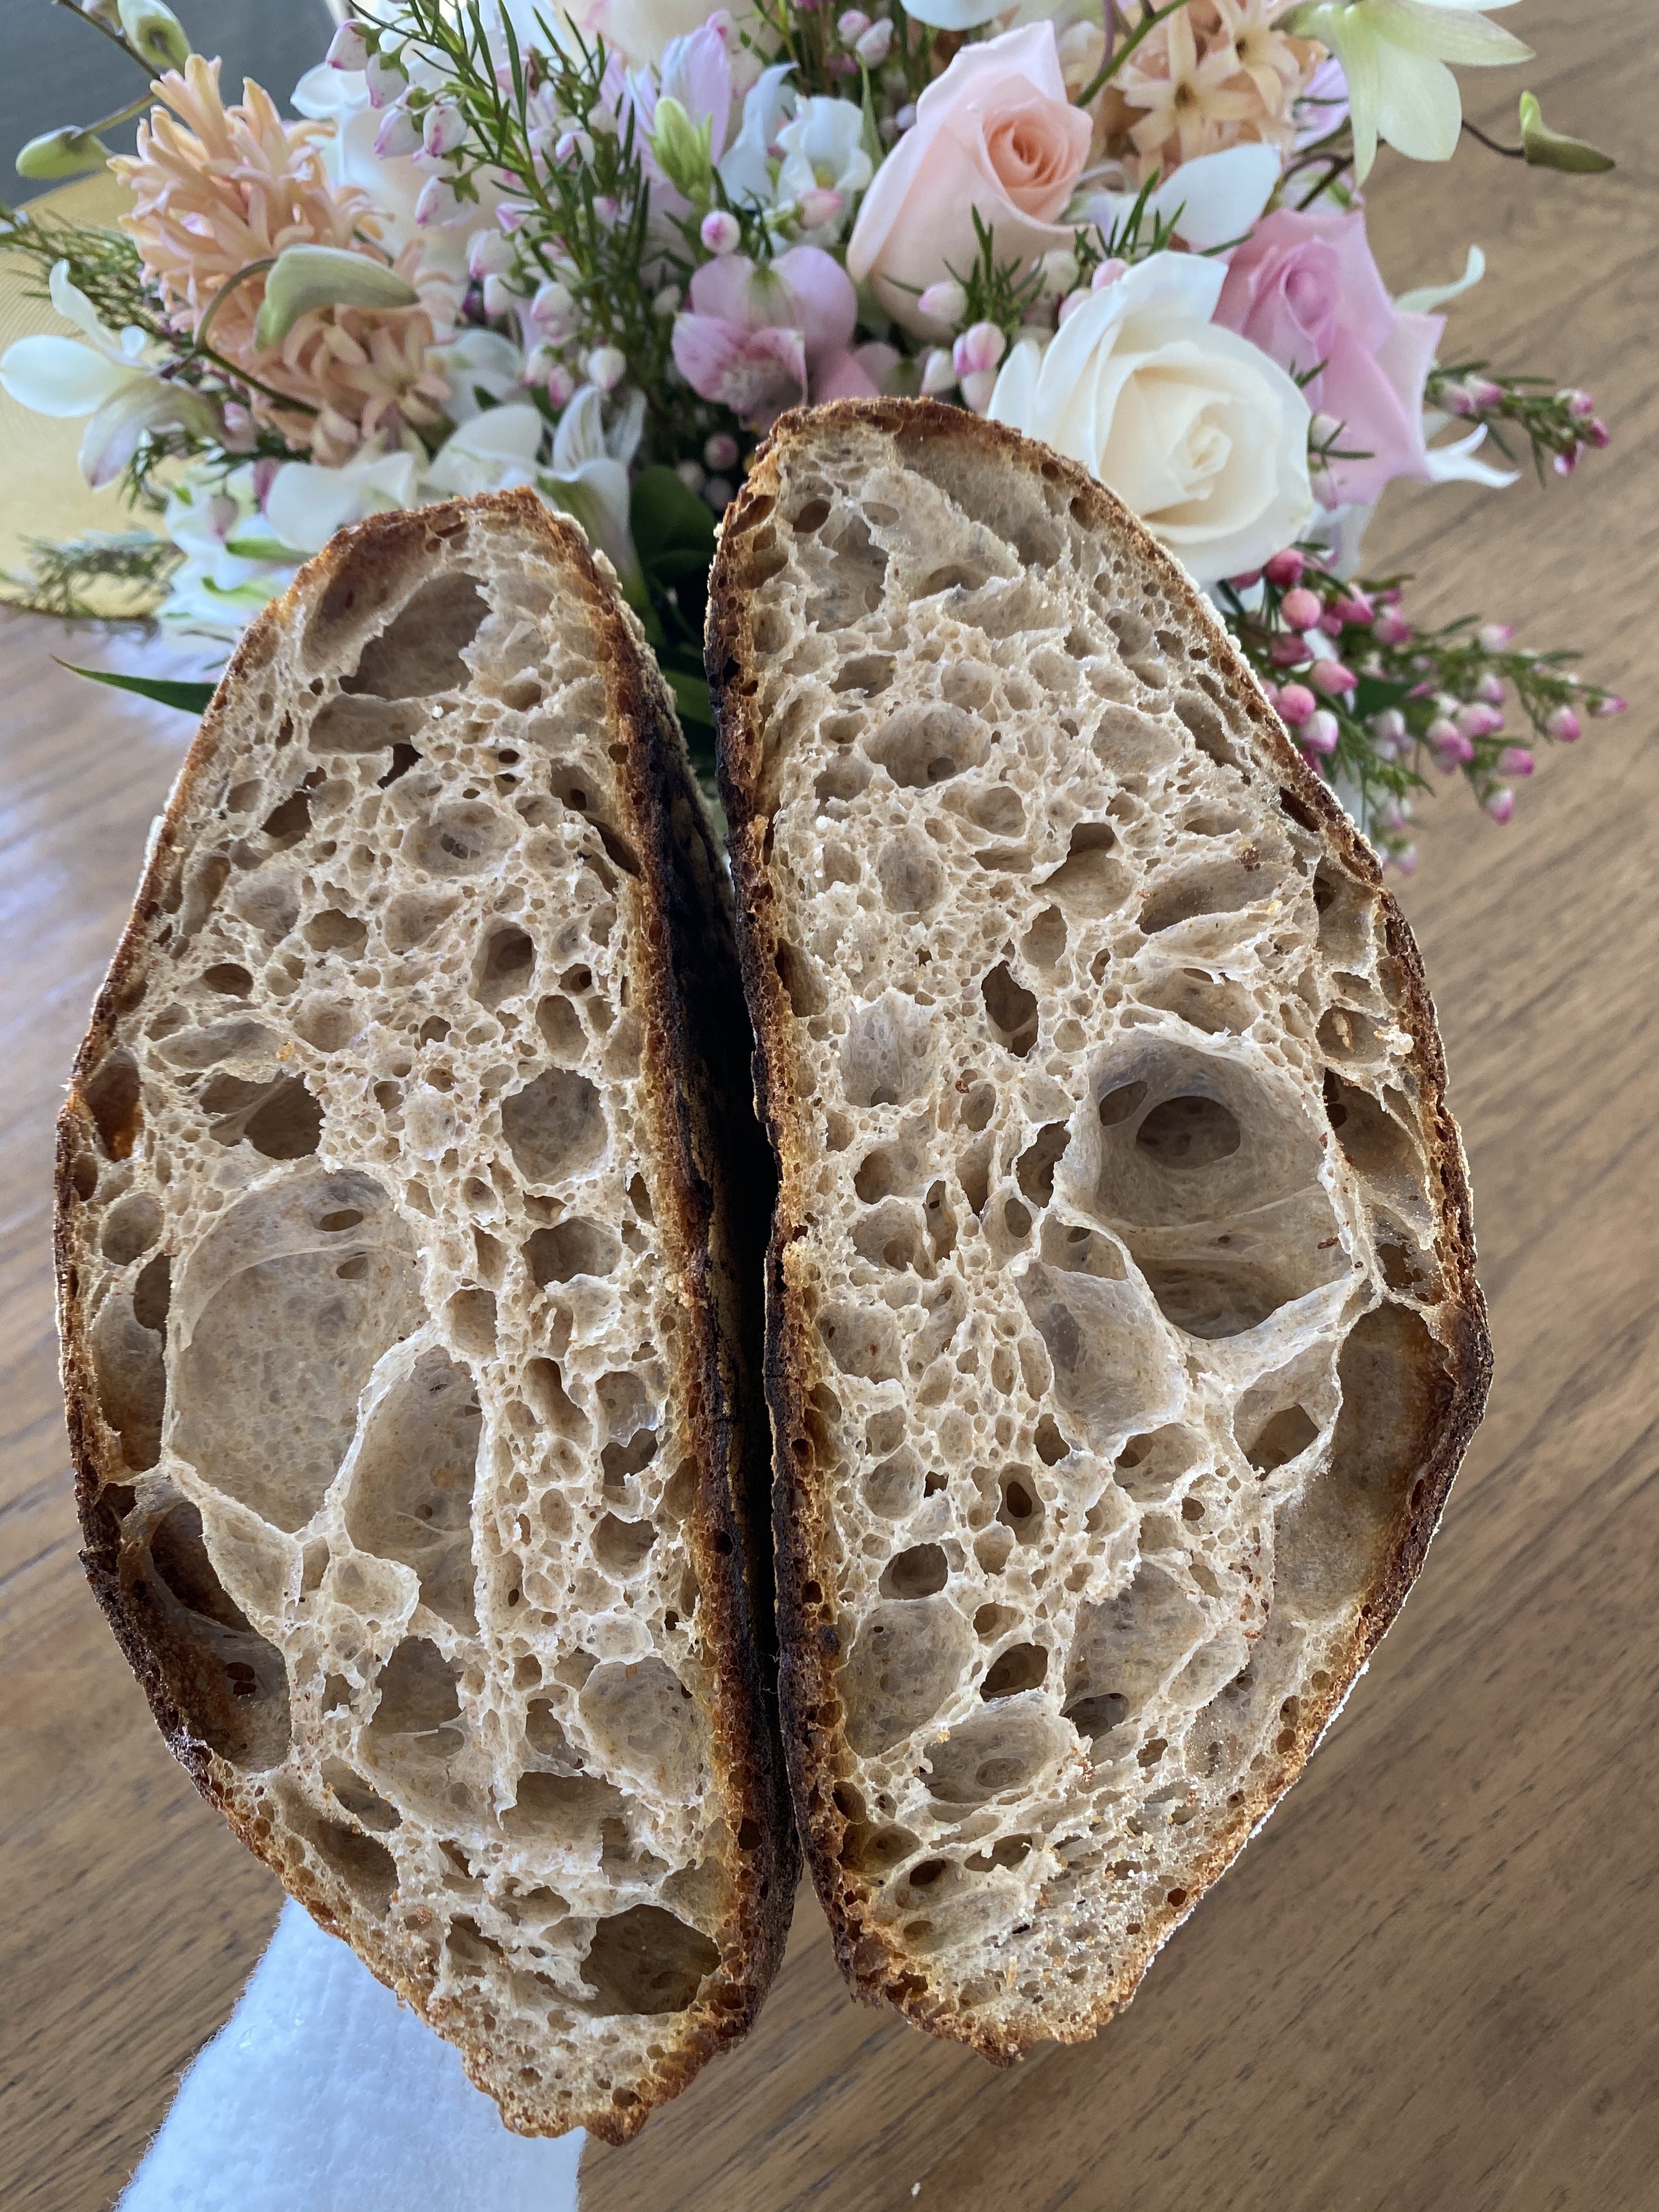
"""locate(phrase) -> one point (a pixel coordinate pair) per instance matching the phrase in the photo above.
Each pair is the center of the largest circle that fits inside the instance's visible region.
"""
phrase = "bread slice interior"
(405, 1287)
(1122, 1334)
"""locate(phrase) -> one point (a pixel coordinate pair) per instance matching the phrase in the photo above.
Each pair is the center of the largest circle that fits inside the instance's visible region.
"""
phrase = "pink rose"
(1303, 287)
(996, 135)
(759, 340)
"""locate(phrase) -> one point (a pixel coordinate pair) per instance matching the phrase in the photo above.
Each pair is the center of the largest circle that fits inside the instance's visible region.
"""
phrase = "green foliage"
(189, 698)
(138, 562)
(673, 534)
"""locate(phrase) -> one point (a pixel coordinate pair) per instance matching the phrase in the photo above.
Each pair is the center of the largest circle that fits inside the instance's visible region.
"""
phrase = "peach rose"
(996, 135)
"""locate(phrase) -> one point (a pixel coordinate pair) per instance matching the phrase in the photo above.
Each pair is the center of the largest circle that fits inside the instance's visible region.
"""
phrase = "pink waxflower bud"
(977, 351)
(1296, 704)
(553, 311)
(1494, 636)
(572, 146)
(819, 206)
(1579, 404)
(1353, 610)
(1500, 803)
(1565, 464)
(606, 366)
(1331, 677)
(560, 384)
(488, 254)
(511, 214)
(717, 493)
(939, 371)
(1069, 306)
(721, 231)
(1286, 568)
(874, 46)
(691, 474)
(398, 133)
(1108, 273)
(1302, 608)
(1597, 434)
(1404, 860)
(445, 127)
(1456, 401)
(347, 49)
(1490, 689)
(1320, 733)
(1484, 392)
(1331, 622)
(1287, 652)
(1611, 704)
(437, 205)
(1516, 760)
(1391, 629)
(906, 118)
(1480, 721)
(977, 386)
(852, 24)
(1564, 727)
(1248, 581)
(944, 302)
(1389, 725)
(499, 298)
(720, 453)
(386, 81)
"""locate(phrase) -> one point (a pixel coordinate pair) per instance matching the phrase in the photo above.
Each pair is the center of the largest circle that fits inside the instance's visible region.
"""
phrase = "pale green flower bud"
(58, 154)
(682, 149)
(155, 33)
(307, 276)
(1550, 149)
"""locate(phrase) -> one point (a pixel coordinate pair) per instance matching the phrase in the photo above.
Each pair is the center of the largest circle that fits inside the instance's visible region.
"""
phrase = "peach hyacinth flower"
(1217, 74)
(215, 189)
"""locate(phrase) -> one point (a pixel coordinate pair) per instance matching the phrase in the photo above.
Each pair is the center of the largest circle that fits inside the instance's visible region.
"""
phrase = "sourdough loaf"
(410, 1211)
(1122, 1334)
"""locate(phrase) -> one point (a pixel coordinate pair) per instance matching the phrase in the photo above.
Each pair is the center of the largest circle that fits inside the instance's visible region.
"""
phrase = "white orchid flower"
(478, 361)
(822, 150)
(306, 505)
(1212, 200)
(112, 379)
(1394, 55)
(1427, 297)
(746, 168)
(496, 450)
(235, 564)
(588, 478)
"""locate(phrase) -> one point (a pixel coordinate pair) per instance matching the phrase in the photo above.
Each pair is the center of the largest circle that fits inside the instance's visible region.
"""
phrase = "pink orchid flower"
(759, 340)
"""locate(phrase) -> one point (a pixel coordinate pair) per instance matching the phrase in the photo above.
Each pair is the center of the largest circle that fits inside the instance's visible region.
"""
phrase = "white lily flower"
(112, 379)
(822, 150)
(306, 505)
(1212, 200)
(746, 167)
(496, 450)
(588, 478)
(1394, 55)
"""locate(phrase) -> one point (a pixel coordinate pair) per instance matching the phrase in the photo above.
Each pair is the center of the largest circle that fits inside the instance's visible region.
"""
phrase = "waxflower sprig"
(1560, 425)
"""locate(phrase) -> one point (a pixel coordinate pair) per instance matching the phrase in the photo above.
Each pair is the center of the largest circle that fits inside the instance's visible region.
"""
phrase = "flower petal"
(307, 276)
(1420, 111)
(59, 376)
(1426, 297)
(1447, 35)
(73, 305)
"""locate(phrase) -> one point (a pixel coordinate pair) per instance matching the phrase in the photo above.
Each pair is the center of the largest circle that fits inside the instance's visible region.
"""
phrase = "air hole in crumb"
(1188, 1132)
(1117, 1105)
(915, 1573)
(1022, 1667)
(1012, 1011)
(572, 1248)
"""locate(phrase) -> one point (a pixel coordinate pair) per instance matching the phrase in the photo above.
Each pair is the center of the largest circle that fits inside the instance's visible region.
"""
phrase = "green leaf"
(691, 697)
(1551, 149)
(1373, 692)
(188, 698)
(665, 517)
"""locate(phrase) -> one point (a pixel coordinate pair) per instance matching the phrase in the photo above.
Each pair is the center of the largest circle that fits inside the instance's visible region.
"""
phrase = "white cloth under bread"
(323, 2094)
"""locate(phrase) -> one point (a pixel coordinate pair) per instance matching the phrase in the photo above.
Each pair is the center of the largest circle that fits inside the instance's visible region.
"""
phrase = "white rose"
(1193, 426)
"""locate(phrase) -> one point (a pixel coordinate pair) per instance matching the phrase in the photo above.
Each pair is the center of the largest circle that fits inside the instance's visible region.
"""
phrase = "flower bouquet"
(599, 250)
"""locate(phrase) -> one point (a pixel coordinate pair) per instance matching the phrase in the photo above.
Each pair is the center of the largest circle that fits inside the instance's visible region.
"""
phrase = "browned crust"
(697, 1056)
(875, 1967)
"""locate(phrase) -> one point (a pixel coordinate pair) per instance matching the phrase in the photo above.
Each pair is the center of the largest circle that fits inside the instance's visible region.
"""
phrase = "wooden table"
(1432, 1985)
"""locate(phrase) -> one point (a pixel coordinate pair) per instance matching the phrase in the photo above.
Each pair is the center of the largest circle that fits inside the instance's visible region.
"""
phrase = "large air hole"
(554, 1126)
(622, 1547)
(1212, 888)
(111, 1093)
(927, 743)
(131, 1226)
(505, 966)
(1114, 1368)
(645, 1960)
(1188, 1132)
(919, 1572)
(890, 1172)
(1034, 1170)
(416, 1733)
(1012, 1011)
(278, 1344)
(1129, 1647)
(1280, 1438)
(572, 1248)
(461, 837)
(644, 1725)
(887, 1057)
(229, 1683)
(1022, 1667)
(1373, 1141)
(1088, 882)
(905, 1661)
(366, 1866)
(411, 1489)
(992, 1754)
(544, 1387)
(419, 652)
(911, 879)
(130, 1369)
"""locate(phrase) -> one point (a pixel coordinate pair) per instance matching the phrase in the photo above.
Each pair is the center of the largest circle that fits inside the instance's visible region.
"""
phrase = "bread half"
(410, 1210)
(1122, 1335)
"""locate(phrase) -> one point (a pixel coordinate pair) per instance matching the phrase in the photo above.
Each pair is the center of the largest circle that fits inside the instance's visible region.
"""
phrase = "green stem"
(254, 269)
(1113, 63)
(1492, 146)
(116, 38)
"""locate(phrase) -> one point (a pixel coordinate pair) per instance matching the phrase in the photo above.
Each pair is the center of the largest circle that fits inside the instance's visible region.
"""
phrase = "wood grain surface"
(1433, 1982)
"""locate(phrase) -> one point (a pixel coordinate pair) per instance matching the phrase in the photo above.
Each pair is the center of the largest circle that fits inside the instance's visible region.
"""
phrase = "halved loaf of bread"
(1122, 1337)
(411, 1208)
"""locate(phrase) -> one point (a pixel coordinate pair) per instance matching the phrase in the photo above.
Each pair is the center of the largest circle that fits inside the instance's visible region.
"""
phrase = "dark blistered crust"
(698, 1076)
(876, 1967)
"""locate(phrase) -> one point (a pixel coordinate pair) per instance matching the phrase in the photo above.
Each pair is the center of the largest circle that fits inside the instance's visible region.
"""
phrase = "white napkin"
(323, 2094)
